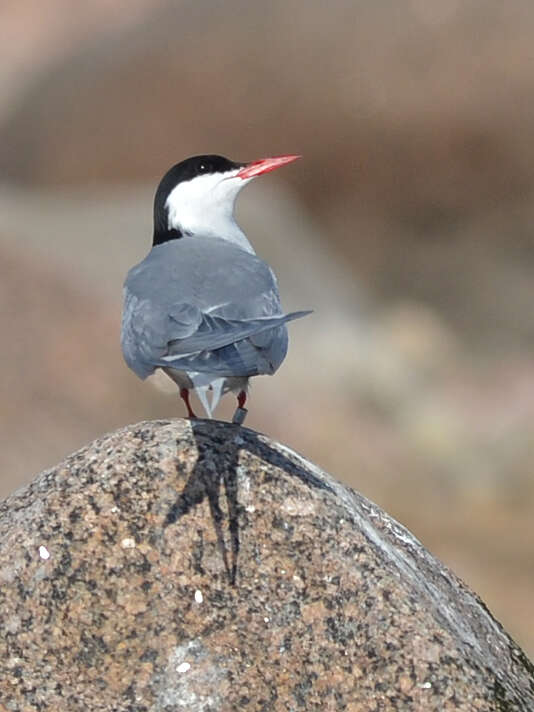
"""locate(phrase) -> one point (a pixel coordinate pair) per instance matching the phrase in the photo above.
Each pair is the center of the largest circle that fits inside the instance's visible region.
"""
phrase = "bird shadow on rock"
(211, 474)
(205, 482)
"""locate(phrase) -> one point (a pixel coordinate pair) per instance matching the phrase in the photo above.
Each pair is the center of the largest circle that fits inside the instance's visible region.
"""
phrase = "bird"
(202, 306)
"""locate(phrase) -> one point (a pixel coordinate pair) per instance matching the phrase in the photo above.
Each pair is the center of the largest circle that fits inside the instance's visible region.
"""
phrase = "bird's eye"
(202, 167)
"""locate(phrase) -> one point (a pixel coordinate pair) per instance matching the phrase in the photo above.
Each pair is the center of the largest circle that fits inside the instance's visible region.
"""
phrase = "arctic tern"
(202, 306)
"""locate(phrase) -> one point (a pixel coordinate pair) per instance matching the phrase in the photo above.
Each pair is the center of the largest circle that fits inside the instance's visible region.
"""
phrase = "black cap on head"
(185, 170)
(197, 165)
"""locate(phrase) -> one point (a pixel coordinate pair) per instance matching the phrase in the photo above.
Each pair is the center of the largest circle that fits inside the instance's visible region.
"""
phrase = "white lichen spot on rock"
(44, 553)
(298, 507)
(128, 543)
(197, 691)
(13, 625)
(198, 596)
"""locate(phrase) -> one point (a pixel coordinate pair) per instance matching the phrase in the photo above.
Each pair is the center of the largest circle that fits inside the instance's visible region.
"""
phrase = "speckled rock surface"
(170, 566)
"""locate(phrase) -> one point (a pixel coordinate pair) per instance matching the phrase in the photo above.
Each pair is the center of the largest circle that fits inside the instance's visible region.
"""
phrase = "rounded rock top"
(198, 565)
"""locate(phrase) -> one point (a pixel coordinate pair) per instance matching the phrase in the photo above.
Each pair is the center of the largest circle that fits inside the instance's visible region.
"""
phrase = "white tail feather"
(202, 393)
(217, 387)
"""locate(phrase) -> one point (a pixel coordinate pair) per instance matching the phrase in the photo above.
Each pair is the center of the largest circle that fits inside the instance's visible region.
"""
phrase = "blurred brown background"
(408, 227)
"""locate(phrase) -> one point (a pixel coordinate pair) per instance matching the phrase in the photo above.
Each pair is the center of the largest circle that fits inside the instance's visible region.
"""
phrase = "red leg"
(241, 399)
(184, 395)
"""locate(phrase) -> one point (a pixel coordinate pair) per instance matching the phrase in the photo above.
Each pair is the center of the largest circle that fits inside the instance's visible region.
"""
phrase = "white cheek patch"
(187, 201)
(202, 201)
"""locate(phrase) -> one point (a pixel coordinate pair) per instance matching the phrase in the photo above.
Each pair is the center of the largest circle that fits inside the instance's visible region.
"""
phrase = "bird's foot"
(239, 415)
(184, 395)
(240, 412)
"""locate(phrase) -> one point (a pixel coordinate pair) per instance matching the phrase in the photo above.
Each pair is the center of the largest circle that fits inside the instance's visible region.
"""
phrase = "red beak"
(264, 165)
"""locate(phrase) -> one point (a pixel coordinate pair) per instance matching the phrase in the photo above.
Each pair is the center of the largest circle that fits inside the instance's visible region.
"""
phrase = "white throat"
(205, 206)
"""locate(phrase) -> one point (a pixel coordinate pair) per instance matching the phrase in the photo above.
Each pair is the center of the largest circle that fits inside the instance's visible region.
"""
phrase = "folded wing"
(205, 306)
